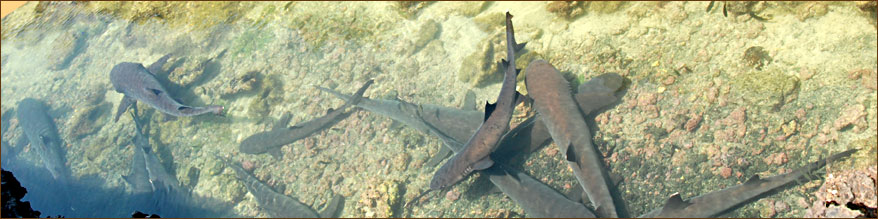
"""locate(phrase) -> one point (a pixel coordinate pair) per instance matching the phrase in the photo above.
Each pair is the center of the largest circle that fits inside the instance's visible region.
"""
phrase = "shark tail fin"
(334, 208)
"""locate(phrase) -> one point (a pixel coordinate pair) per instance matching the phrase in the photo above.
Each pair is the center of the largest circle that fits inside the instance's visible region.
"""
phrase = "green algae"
(765, 88)
(479, 68)
(491, 21)
(604, 7)
(315, 27)
(427, 33)
(250, 41)
(410, 9)
(270, 95)
(198, 15)
(566, 9)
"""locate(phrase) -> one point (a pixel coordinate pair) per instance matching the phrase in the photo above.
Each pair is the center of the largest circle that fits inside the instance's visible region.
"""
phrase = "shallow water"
(808, 91)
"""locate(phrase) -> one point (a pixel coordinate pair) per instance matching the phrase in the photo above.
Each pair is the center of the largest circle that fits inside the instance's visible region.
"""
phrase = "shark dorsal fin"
(489, 108)
(753, 180)
(283, 121)
(674, 203)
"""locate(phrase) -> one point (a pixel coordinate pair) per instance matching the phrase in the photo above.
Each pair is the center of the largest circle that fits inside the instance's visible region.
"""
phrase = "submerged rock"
(850, 193)
(770, 87)
(380, 200)
(428, 32)
(242, 84)
(566, 9)
(65, 47)
(479, 67)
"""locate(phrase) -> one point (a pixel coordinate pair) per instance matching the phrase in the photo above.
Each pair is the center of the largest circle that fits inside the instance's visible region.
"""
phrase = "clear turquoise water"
(673, 53)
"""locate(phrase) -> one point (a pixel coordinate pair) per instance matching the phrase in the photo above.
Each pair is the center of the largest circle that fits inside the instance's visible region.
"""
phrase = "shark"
(138, 83)
(279, 205)
(717, 203)
(147, 172)
(271, 141)
(42, 134)
(454, 125)
(561, 114)
(475, 153)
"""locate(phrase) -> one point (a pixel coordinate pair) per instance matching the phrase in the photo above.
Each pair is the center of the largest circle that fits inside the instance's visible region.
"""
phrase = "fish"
(280, 135)
(138, 179)
(145, 161)
(138, 83)
(717, 203)
(449, 122)
(536, 198)
(469, 102)
(278, 205)
(42, 134)
(460, 124)
(562, 116)
(453, 125)
(475, 153)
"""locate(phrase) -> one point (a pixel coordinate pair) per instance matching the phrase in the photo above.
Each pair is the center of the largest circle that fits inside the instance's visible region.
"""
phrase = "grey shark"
(42, 134)
(280, 135)
(562, 116)
(137, 83)
(146, 165)
(475, 153)
(278, 205)
(716, 203)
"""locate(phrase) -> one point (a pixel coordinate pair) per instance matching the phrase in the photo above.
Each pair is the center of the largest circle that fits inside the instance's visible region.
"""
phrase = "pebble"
(646, 99)
(669, 80)
(849, 115)
(725, 172)
(739, 116)
(781, 206)
(452, 195)
(693, 123)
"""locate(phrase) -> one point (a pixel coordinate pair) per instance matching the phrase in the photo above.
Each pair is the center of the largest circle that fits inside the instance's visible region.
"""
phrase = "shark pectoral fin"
(123, 106)
(129, 180)
(575, 194)
(616, 179)
(156, 66)
(502, 64)
(168, 117)
(276, 153)
(489, 108)
(483, 164)
(469, 101)
(519, 46)
(334, 208)
(591, 103)
(494, 189)
(599, 92)
(444, 151)
(675, 203)
(283, 121)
